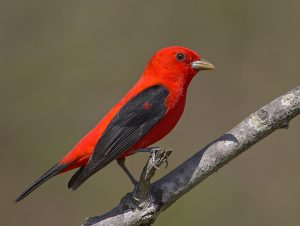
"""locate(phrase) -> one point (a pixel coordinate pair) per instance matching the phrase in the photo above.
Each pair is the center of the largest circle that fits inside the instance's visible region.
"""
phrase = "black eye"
(180, 56)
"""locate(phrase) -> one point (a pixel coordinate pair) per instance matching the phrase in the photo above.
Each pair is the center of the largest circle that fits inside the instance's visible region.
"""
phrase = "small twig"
(140, 201)
(142, 191)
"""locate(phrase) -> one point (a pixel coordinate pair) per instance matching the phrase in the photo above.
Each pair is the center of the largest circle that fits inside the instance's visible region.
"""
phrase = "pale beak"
(202, 64)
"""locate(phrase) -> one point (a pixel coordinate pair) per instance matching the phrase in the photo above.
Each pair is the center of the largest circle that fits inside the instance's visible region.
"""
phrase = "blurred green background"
(64, 64)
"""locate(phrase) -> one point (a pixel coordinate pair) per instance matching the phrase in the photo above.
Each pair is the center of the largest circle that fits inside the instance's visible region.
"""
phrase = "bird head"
(177, 64)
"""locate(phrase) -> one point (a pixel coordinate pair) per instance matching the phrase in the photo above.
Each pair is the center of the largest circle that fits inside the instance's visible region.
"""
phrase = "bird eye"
(180, 56)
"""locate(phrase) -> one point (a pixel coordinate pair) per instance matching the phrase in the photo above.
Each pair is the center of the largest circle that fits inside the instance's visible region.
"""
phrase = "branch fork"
(140, 201)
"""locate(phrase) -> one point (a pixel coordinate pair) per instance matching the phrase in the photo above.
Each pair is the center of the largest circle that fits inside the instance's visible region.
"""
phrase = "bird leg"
(154, 160)
(121, 163)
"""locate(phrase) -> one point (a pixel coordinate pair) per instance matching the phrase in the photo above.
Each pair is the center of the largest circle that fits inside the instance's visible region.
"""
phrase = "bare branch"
(209, 159)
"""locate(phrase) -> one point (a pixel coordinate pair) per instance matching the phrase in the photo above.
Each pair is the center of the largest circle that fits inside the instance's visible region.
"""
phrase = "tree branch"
(145, 203)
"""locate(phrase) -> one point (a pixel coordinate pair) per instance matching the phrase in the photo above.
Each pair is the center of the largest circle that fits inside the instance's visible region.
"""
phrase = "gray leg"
(121, 163)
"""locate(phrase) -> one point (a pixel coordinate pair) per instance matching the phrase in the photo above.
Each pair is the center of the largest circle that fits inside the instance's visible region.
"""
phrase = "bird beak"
(202, 64)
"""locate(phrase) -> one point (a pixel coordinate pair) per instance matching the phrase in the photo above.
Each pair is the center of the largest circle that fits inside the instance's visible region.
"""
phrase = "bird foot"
(158, 155)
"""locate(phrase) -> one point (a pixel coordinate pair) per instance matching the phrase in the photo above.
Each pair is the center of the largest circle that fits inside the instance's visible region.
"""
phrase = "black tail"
(74, 177)
(46, 176)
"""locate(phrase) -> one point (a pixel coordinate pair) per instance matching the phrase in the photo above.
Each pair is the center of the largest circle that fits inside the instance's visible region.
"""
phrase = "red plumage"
(171, 68)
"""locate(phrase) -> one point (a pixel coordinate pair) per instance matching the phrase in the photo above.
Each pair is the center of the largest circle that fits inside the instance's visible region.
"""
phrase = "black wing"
(129, 125)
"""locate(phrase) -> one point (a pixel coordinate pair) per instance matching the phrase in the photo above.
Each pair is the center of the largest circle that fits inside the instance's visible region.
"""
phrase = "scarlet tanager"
(147, 113)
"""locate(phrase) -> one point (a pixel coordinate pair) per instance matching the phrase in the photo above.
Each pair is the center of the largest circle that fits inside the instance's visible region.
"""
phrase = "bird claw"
(167, 163)
(155, 160)
(158, 155)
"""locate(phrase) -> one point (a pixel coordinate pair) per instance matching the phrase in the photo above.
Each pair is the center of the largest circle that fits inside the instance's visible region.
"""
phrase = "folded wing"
(129, 125)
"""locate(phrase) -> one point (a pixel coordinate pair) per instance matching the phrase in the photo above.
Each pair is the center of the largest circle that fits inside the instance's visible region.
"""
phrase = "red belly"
(163, 127)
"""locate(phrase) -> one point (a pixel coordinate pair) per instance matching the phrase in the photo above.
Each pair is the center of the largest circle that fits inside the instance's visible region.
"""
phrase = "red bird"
(147, 113)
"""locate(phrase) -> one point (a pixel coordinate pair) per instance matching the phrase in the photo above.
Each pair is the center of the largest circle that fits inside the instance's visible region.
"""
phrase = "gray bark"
(147, 201)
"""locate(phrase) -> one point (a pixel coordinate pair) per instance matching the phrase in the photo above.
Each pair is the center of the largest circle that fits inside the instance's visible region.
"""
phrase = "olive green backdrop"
(63, 64)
